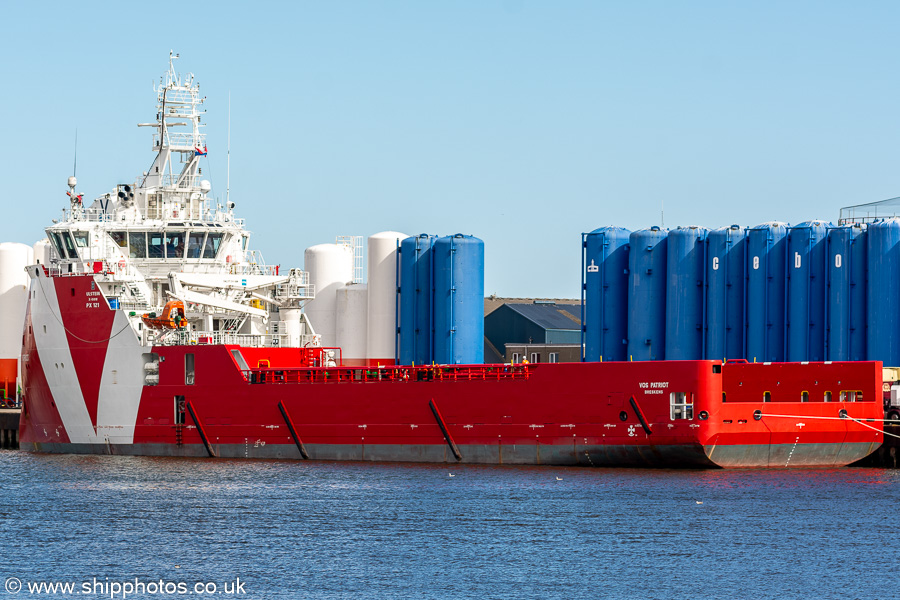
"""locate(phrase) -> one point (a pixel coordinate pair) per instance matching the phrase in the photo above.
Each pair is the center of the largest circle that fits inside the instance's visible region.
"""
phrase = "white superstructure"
(164, 238)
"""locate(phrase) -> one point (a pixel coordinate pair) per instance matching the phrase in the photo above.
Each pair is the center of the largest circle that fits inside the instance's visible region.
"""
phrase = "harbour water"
(287, 529)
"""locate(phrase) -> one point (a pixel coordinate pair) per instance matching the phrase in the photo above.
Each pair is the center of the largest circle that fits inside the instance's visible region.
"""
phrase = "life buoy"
(122, 265)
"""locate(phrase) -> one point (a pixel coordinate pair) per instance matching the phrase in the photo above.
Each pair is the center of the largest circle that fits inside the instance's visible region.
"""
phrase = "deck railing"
(401, 374)
(218, 338)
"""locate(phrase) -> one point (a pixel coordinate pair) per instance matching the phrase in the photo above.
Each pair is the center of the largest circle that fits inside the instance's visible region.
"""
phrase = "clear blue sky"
(524, 123)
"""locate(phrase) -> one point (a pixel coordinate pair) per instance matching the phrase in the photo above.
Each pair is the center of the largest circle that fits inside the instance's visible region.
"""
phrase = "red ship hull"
(86, 391)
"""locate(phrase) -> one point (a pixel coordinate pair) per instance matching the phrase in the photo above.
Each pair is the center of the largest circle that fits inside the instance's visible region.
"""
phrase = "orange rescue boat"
(172, 317)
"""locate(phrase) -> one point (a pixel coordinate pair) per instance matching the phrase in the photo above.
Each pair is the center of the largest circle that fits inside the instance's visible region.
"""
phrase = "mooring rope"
(874, 428)
(847, 418)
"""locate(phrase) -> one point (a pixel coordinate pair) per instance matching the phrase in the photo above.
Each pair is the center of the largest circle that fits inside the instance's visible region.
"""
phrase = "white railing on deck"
(136, 307)
(189, 338)
(87, 214)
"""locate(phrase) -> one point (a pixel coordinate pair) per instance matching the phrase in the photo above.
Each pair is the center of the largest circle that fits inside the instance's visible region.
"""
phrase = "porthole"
(623, 416)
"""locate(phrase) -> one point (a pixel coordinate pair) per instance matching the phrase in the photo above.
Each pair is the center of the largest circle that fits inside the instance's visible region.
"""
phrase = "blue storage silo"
(806, 291)
(458, 299)
(883, 292)
(765, 295)
(725, 252)
(416, 293)
(685, 293)
(647, 294)
(845, 338)
(605, 285)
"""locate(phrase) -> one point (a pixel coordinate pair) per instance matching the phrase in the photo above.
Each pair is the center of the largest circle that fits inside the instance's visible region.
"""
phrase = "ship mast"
(179, 143)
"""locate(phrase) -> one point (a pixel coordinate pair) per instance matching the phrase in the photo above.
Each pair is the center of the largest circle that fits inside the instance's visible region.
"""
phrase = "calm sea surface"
(360, 530)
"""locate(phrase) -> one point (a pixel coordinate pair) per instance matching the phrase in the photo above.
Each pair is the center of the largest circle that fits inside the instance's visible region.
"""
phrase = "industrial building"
(536, 330)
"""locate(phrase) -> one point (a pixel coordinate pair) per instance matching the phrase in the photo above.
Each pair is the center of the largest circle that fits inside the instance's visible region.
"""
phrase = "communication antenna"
(228, 156)
(75, 166)
(662, 212)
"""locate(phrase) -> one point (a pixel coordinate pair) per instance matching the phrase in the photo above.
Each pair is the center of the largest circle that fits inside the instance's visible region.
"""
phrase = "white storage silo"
(350, 326)
(382, 310)
(42, 252)
(330, 266)
(14, 284)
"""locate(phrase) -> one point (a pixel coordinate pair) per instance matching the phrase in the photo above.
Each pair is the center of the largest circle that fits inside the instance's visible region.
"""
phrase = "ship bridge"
(164, 241)
(166, 220)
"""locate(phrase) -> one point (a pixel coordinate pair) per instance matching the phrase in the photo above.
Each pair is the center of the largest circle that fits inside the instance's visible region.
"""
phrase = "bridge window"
(195, 244)
(156, 244)
(681, 405)
(82, 238)
(211, 248)
(70, 245)
(57, 243)
(174, 244)
(120, 238)
(137, 245)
